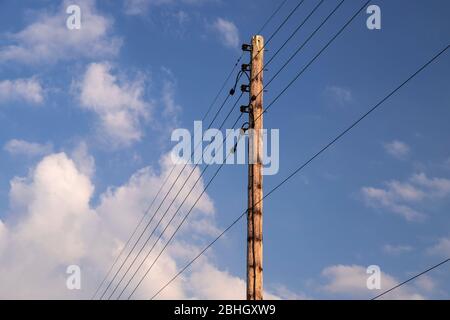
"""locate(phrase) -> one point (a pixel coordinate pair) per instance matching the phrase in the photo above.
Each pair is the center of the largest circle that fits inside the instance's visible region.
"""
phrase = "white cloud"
(118, 104)
(52, 224)
(351, 280)
(227, 31)
(25, 148)
(426, 283)
(406, 191)
(441, 248)
(210, 283)
(439, 187)
(284, 292)
(396, 249)
(339, 94)
(388, 199)
(48, 40)
(58, 227)
(400, 198)
(218, 284)
(3, 237)
(171, 109)
(29, 90)
(397, 149)
(83, 160)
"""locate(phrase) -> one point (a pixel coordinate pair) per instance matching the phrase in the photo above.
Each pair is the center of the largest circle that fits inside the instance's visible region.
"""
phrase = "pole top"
(258, 41)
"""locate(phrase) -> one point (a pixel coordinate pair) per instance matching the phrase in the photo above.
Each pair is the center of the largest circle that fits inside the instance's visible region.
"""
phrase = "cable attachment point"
(245, 67)
(245, 109)
(242, 131)
(246, 47)
(244, 128)
(245, 88)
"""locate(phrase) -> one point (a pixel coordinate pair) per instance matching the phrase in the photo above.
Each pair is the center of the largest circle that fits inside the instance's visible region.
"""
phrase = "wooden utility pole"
(255, 181)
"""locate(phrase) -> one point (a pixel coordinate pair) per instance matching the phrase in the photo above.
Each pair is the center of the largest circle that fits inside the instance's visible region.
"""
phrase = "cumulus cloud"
(28, 90)
(119, 105)
(351, 281)
(402, 197)
(47, 40)
(397, 149)
(227, 31)
(25, 148)
(58, 227)
(52, 224)
(83, 160)
(223, 286)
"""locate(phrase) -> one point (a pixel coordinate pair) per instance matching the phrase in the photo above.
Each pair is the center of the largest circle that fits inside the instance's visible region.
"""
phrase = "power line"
(162, 186)
(182, 221)
(222, 87)
(165, 196)
(316, 56)
(280, 27)
(327, 18)
(163, 200)
(293, 33)
(264, 25)
(170, 174)
(272, 16)
(168, 208)
(208, 111)
(288, 61)
(411, 279)
(308, 39)
(183, 168)
(271, 37)
(284, 21)
(176, 212)
(301, 167)
(134, 232)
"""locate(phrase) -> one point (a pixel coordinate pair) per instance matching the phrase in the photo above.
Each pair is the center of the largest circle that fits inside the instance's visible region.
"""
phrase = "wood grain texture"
(255, 186)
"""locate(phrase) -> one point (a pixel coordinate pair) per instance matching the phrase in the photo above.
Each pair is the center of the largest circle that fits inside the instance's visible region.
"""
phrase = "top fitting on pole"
(246, 47)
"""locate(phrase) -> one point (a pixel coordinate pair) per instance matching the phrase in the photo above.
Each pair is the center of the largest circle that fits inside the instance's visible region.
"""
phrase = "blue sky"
(108, 98)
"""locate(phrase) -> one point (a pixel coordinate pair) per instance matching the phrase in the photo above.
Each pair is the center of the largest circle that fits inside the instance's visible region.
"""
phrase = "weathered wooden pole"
(255, 181)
